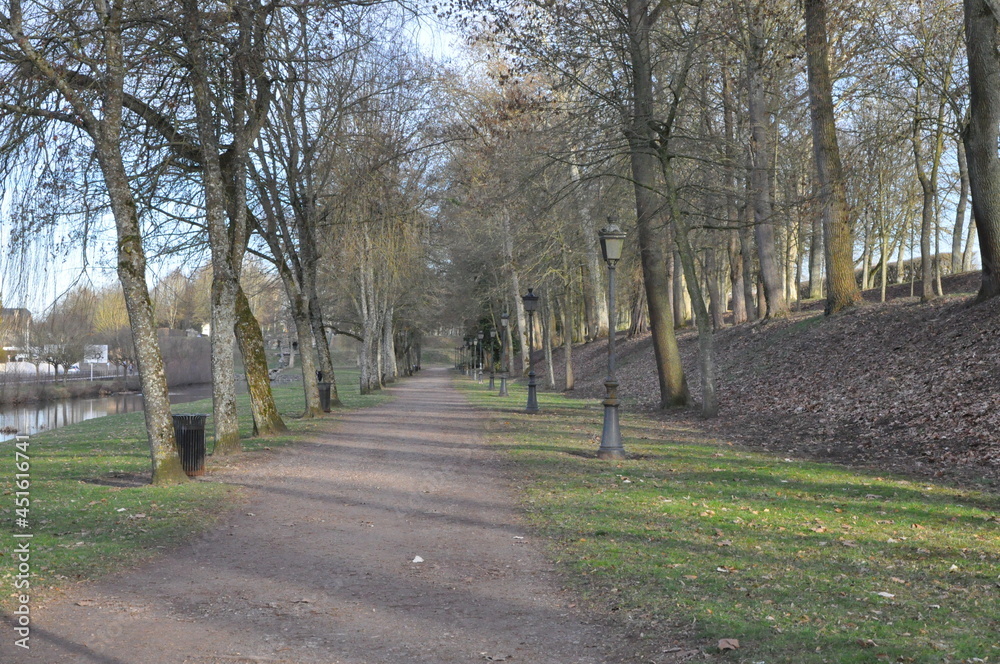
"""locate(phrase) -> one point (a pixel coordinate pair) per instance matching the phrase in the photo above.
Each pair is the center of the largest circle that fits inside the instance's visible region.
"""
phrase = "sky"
(37, 280)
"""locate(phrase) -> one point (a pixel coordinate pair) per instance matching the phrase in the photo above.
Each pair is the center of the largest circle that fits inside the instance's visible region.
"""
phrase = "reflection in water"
(28, 419)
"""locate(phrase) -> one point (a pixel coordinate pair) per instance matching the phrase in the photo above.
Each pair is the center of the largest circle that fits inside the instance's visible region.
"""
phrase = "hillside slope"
(899, 386)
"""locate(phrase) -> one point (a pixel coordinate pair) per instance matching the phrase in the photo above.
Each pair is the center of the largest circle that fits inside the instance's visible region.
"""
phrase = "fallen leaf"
(729, 644)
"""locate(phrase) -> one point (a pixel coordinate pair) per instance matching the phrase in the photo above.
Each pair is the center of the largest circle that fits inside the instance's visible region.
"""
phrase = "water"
(29, 419)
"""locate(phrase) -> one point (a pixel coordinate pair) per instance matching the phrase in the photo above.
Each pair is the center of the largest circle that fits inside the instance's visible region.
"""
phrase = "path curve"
(318, 568)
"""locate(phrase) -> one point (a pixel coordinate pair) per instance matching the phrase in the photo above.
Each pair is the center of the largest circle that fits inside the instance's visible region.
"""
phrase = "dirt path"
(318, 567)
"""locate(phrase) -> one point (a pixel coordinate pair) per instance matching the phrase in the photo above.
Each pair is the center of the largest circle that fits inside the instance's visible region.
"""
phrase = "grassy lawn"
(801, 562)
(82, 529)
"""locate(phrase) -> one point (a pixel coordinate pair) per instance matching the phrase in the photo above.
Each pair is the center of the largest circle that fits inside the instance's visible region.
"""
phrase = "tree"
(982, 39)
(842, 291)
(44, 91)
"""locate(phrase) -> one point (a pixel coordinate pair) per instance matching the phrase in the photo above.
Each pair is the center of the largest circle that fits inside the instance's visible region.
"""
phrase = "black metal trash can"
(190, 433)
(324, 396)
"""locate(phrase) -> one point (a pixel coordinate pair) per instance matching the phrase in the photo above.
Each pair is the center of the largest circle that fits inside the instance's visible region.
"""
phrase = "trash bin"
(189, 430)
(324, 397)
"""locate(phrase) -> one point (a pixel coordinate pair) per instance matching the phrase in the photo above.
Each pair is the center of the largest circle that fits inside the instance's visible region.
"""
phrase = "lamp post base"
(532, 406)
(503, 386)
(611, 436)
(492, 381)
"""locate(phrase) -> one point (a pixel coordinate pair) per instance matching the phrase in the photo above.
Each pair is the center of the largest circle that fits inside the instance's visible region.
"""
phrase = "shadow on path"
(320, 566)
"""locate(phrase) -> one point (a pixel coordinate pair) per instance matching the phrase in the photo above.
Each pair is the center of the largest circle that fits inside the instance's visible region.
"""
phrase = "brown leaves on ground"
(903, 385)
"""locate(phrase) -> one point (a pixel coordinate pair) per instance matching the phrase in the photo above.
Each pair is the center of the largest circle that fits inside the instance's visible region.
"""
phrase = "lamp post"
(612, 240)
(482, 355)
(493, 339)
(504, 357)
(530, 301)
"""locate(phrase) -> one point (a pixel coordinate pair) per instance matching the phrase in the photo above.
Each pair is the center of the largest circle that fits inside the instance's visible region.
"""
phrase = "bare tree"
(982, 36)
(44, 90)
(842, 291)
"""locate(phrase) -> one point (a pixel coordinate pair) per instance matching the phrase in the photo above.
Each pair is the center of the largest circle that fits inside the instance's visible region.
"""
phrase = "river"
(28, 419)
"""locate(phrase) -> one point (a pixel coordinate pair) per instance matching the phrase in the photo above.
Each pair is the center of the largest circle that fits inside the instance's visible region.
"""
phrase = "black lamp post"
(504, 357)
(493, 340)
(612, 240)
(530, 301)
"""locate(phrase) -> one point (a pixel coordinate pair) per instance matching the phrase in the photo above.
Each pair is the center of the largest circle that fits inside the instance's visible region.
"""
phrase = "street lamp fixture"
(504, 357)
(612, 241)
(530, 301)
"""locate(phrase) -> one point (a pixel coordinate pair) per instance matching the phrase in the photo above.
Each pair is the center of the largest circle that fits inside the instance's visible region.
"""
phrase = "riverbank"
(13, 393)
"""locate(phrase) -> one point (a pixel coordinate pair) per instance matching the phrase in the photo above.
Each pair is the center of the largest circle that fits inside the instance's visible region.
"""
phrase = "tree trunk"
(266, 418)
(747, 253)
(596, 304)
(652, 241)
(225, 274)
(982, 39)
(369, 380)
(389, 347)
(960, 210)
(307, 359)
(760, 180)
(714, 297)
(548, 322)
(706, 345)
(736, 279)
(884, 258)
(323, 356)
(816, 253)
(866, 259)
(567, 319)
(566, 308)
(967, 252)
(515, 292)
(166, 464)
(927, 205)
(842, 290)
(900, 263)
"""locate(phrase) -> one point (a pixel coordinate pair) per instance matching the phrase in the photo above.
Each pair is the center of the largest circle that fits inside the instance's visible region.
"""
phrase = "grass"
(801, 562)
(83, 529)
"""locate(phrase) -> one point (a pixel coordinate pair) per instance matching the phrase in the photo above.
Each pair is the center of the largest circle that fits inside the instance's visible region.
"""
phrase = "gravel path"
(318, 567)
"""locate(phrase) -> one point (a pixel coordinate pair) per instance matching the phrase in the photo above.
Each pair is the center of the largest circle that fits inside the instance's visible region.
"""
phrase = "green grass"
(802, 562)
(82, 529)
